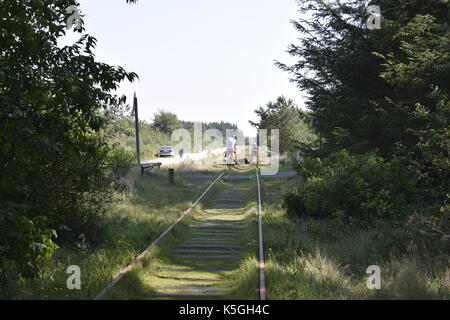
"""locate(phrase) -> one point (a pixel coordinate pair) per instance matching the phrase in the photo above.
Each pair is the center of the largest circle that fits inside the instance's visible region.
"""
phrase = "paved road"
(215, 155)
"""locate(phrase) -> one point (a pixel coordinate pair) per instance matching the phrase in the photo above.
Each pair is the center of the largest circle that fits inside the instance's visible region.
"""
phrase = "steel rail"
(146, 251)
(262, 265)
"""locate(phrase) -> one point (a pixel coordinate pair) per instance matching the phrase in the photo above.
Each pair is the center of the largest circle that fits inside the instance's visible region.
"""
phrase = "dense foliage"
(361, 186)
(365, 85)
(380, 101)
(55, 163)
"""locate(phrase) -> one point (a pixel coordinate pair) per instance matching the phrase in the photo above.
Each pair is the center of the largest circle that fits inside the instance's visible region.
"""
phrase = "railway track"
(214, 242)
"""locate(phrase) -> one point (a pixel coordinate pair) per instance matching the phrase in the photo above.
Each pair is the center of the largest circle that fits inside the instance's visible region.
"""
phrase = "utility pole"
(136, 126)
(257, 149)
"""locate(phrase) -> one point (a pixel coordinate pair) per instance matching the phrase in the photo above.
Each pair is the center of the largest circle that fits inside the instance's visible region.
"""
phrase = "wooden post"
(172, 175)
(136, 126)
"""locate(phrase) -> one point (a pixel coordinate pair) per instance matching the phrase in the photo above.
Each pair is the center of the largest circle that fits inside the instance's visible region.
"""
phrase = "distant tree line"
(221, 126)
(167, 122)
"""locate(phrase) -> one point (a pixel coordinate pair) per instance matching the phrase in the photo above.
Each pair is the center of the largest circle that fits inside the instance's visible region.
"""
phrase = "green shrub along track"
(213, 252)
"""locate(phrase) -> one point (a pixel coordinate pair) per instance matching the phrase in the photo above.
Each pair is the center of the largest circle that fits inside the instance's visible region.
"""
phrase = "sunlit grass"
(143, 208)
(149, 276)
(326, 259)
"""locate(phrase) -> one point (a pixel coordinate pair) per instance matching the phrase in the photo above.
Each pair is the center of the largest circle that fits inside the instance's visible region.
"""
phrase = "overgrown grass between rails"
(327, 259)
(141, 210)
(243, 280)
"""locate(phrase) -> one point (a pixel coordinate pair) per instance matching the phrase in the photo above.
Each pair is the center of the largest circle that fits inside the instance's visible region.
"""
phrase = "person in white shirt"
(254, 153)
(231, 150)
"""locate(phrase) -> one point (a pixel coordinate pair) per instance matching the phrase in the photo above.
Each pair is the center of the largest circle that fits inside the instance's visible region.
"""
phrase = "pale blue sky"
(205, 60)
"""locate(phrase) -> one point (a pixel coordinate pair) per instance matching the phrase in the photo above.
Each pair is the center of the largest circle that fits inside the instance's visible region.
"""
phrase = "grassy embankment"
(145, 207)
(326, 259)
(306, 259)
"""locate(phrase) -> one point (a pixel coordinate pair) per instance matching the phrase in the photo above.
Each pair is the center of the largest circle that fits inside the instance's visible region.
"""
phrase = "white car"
(166, 151)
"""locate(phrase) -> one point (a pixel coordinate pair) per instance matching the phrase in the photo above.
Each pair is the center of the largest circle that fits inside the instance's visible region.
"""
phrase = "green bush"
(119, 162)
(29, 241)
(429, 232)
(364, 186)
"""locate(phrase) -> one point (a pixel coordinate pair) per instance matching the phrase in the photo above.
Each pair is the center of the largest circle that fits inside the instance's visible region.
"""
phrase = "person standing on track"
(231, 150)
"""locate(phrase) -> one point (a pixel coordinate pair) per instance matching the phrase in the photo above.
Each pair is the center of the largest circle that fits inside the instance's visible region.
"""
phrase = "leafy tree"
(285, 116)
(53, 103)
(166, 122)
